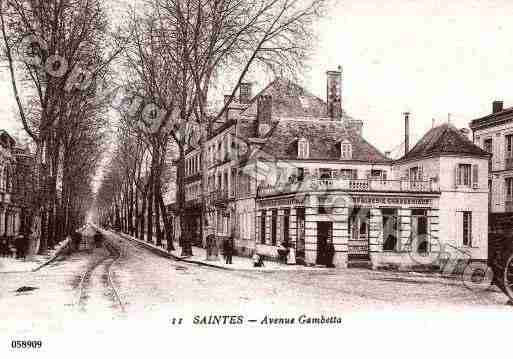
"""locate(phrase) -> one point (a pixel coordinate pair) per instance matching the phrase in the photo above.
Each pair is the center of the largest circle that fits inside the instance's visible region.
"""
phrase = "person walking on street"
(21, 243)
(76, 238)
(228, 249)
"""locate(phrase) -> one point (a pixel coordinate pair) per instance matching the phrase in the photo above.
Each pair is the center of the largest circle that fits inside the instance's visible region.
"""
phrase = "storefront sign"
(425, 202)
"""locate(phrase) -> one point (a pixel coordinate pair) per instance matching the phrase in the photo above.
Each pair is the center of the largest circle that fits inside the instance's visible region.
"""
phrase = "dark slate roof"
(324, 139)
(493, 119)
(444, 140)
(289, 100)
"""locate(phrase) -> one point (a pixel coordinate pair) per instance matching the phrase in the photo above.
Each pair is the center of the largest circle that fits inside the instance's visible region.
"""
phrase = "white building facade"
(288, 167)
(494, 134)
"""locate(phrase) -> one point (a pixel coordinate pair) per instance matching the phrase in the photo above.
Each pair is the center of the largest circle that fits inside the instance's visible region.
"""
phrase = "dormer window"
(346, 150)
(303, 148)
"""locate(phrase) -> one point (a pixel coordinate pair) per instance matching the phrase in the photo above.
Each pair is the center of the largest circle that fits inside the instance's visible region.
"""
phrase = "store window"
(390, 229)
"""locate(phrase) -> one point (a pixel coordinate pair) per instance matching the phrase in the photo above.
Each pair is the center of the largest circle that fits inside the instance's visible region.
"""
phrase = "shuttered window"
(467, 228)
(463, 174)
(302, 148)
(475, 176)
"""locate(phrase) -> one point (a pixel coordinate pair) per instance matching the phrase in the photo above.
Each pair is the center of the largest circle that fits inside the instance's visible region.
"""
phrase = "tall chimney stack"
(334, 93)
(264, 115)
(406, 132)
(497, 106)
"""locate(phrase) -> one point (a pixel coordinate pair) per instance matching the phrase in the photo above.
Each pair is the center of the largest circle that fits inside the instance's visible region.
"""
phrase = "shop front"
(369, 230)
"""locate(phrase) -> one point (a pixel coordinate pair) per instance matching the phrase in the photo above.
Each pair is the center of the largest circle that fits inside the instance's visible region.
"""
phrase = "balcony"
(219, 198)
(350, 185)
(192, 202)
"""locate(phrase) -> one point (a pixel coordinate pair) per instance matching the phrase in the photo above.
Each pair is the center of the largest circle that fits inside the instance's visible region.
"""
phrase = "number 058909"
(26, 344)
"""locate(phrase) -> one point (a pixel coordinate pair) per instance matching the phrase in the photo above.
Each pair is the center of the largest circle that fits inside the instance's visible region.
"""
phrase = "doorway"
(359, 221)
(324, 240)
(300, 245)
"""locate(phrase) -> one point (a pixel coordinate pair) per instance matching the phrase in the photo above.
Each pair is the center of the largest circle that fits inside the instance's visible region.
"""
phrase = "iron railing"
(350, 185)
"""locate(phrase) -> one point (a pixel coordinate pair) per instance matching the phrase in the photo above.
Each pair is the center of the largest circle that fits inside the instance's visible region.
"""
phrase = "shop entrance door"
(324, 239)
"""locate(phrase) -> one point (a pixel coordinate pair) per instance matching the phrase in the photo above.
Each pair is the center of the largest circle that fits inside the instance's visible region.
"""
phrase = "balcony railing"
(350, 185)
(219, 197)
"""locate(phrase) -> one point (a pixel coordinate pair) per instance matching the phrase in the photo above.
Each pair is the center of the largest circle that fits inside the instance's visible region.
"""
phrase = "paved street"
(148, 285)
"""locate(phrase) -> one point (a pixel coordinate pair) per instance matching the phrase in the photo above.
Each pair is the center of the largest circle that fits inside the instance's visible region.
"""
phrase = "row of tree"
(58, 54)
(178, 55)
(172, 57)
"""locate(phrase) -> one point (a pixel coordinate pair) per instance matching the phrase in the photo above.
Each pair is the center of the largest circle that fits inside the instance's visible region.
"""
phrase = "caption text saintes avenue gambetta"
(231, 319)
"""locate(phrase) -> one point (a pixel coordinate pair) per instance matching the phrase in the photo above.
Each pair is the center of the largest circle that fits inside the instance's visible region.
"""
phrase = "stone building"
(286, 166)
(494, 134)
(9, 211)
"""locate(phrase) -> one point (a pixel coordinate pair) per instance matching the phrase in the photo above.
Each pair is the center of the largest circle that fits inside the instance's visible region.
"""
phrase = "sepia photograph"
(256, 177)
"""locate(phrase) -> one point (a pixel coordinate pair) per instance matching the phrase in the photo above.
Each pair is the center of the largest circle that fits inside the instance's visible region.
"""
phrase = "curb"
(55, 256)
(166, 254)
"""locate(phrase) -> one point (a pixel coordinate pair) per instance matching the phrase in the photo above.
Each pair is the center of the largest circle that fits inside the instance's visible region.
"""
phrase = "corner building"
(286, 166)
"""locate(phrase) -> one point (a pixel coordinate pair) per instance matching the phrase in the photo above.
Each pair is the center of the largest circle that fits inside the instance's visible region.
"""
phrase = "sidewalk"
(33, 262)
(239, 263)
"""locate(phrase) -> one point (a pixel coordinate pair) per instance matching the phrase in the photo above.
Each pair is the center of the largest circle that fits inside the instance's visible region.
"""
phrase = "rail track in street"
(100, 272)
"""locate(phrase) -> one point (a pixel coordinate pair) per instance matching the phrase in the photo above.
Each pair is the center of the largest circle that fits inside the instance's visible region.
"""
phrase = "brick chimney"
(264, 115)
(245, 92)
(497, 106)
(334, 93)
(406, 132)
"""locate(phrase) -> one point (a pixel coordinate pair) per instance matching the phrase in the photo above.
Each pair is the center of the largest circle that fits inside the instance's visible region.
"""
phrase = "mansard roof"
(444, 140)
(324, 139)
(289, 100)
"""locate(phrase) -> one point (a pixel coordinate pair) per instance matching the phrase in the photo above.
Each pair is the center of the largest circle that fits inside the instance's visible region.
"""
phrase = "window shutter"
(475, 176)
(456, 176)
(421, 174)
(459, 228)
(367, 174)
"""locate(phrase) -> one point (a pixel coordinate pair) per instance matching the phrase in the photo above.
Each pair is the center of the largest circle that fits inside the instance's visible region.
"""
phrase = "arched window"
(303, 148)
(346, 150)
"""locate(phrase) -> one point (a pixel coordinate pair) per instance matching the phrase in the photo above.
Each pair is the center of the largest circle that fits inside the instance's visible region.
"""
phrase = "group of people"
(17, 246)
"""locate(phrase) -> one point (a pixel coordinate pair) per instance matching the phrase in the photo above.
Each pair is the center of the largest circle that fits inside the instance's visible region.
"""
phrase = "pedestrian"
(98, 238)
(231, 246)
(76, 238)
(330, 254)
(4, 247)
(258, 260)
(228, 249)
(20, 245)
(283, 252)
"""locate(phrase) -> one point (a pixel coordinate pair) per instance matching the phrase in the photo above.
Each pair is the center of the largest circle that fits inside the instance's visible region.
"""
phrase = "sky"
(428, 57)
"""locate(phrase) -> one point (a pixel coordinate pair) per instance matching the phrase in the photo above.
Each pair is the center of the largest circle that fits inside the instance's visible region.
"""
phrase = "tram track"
(100, 271)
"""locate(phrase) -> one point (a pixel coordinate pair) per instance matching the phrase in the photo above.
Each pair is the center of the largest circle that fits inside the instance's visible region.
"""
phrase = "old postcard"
(256, 177)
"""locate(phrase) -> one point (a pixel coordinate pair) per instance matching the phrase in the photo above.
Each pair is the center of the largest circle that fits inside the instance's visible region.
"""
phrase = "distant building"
(9, 211)
(494, 134)
(286, 166)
